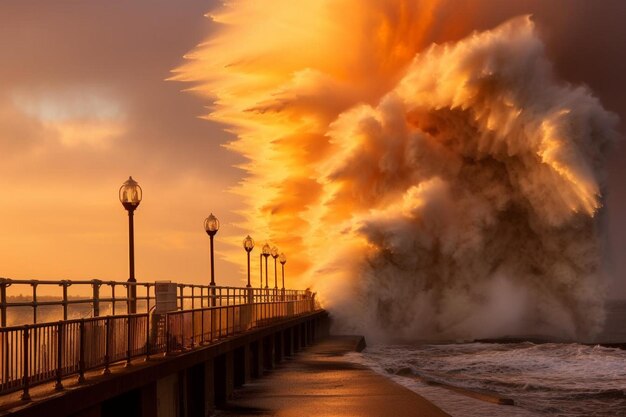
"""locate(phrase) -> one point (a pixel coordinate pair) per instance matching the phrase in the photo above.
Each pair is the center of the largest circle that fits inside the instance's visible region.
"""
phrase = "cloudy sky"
(84, 103)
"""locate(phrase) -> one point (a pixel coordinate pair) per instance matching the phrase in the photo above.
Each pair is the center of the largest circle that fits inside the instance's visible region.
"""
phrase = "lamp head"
(266, 250)
(248, 244)
(211, 225)
(130, 194)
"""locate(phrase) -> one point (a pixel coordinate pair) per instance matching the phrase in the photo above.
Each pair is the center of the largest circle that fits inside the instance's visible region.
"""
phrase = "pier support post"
(288, 342)
(230, 374)
(224, 377)
(247, 360)
(256, 359)
(242, 365)
(148, 399)
(209, 387)
(167, 395)
(303, 335)
(309, 332)
(268, 352)
(297, 330)
(278, 346)
(195, 391)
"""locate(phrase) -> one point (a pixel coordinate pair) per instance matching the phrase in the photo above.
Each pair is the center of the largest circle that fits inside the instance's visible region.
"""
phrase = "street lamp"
(274, 253)
(283, 260)
(130, 197)
(266, 252)
(248, 245)
(261, 269)
(211, 226)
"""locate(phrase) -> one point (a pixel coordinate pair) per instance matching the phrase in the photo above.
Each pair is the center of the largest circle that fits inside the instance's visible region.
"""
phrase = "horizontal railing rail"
(197, 327)
(112, 298)
(37, 353)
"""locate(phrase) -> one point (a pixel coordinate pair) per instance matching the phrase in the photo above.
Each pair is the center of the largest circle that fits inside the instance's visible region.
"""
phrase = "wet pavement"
(319, 382)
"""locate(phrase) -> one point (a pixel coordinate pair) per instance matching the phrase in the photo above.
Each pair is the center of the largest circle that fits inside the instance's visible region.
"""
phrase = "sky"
(83, 105)
(85, 102)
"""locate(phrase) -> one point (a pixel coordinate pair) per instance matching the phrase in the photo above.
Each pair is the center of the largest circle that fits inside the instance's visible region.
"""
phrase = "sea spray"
(425, 191)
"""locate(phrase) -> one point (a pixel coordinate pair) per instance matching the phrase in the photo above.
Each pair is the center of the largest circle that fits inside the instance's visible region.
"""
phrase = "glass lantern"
(248, 243)
(266, 250)
(211, 225)
(130, 194)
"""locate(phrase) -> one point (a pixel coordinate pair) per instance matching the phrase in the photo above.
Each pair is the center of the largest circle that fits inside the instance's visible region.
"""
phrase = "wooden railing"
(37, 353)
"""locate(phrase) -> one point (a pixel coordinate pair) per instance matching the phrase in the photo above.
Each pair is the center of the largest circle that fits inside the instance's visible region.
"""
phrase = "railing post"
(95, 284)
(5, 363)
(147, 286)
(228, 320)
(25, 363)
(3, 302)
(219, 334)
(147, 336)
(212, 302)
(81, 351)
(34, 285)
(193, 327)
(131, 297)
(201, 325)
(59, 374)
(3, 322)
(128, 341)
(113, 297)
(212, 324)
(64, 284)
(167, 334)
(107, 344)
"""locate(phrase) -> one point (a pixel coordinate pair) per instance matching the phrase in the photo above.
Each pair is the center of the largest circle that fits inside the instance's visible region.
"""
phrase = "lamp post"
(261, 269)
(283, 260)
(211, 226)
(266, 252)
(248, 245)
(130, 197)
(274, 253)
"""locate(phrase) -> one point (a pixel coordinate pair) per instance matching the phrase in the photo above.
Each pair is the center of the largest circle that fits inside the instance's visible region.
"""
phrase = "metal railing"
(190, 328)
(38, 353)
(105, 298)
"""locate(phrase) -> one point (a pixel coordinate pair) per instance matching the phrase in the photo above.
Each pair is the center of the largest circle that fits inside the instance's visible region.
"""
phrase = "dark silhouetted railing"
(42, 352)
(96, 298)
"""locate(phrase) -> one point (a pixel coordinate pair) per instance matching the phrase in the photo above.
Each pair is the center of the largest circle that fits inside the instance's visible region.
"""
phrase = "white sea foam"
(555, 379)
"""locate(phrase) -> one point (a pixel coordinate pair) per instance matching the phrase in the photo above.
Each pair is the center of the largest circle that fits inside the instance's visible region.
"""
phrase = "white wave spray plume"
(424, 191)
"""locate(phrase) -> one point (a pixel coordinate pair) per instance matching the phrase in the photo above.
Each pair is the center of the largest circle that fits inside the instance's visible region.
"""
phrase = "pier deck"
(319, 382)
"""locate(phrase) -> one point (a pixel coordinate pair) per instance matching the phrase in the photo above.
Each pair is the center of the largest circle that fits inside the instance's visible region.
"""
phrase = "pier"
(178, 362)
(191, 351)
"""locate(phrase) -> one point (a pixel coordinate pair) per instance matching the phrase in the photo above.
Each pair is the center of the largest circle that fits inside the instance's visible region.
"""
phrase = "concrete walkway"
(319, 382)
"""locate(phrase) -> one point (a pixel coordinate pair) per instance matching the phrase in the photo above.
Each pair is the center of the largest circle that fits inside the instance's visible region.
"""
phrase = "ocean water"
(556, 379)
